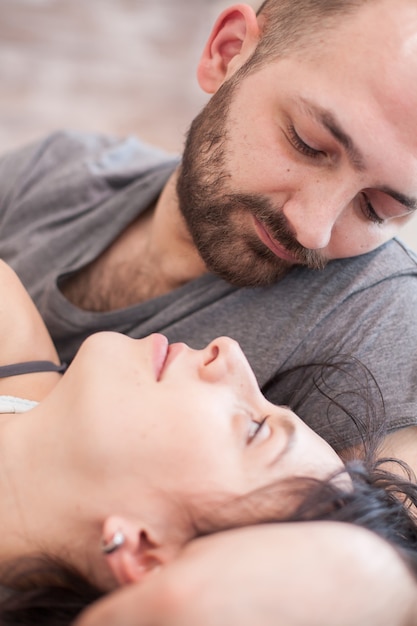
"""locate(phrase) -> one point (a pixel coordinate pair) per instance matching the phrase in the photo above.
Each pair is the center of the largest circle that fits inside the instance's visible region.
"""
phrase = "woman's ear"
(233, 39)
(133, 550)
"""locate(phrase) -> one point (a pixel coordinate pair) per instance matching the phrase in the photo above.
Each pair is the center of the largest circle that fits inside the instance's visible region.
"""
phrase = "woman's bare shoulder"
(23, 337)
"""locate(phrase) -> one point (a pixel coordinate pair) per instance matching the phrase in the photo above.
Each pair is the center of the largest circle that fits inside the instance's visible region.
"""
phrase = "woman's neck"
(44, 505)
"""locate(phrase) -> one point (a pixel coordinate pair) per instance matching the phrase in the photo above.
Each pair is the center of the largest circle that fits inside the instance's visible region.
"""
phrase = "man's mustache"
(275, 222)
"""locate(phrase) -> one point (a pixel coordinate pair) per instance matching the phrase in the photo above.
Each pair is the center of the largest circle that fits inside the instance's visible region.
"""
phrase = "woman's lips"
(163, 353)
(159, 353)
(273, 244)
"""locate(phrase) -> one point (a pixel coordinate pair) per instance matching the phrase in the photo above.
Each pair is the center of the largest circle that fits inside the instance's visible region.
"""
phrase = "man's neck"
(153, 256)
(170, 245)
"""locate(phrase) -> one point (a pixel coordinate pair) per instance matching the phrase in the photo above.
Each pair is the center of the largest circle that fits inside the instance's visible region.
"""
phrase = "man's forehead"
(390, 20)
(371, 62)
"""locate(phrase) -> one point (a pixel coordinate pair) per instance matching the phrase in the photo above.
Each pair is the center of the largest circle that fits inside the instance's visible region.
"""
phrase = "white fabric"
(12, 404)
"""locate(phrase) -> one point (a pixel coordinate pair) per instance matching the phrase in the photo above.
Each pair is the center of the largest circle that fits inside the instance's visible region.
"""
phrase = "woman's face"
(182, 424)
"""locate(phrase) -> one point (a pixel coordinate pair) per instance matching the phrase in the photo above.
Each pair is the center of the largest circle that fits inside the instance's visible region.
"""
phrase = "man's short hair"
(287, 26)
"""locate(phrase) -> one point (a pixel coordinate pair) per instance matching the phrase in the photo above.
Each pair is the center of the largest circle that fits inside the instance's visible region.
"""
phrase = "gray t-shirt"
(64, 199)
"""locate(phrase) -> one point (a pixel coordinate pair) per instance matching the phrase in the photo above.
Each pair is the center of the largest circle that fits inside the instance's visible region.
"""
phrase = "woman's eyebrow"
(290, 430)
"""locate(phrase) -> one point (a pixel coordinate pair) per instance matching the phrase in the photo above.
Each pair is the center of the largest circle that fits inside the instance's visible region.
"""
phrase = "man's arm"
(318, 573)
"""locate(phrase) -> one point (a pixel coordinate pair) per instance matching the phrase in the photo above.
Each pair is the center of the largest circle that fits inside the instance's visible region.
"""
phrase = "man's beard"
(220, 221)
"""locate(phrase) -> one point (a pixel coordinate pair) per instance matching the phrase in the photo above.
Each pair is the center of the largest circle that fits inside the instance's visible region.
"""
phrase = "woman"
(137, 448)
(137, 436)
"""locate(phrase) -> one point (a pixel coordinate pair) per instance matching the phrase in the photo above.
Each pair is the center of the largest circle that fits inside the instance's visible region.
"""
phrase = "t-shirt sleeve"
(37, 167)
(68, 172)
(15, 167)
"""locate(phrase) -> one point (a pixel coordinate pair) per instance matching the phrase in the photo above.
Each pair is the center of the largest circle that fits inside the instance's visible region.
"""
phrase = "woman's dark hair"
(379, 500)
(382, 500)
(376, 499)
(46, 592)
(363, 494)
(42, 591)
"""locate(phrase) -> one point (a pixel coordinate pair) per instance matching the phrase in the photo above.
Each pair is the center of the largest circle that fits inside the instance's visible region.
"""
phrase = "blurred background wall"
(115, 66)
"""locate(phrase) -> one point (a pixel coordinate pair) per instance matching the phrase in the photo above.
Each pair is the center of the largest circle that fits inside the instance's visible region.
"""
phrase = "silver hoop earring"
(114, 544)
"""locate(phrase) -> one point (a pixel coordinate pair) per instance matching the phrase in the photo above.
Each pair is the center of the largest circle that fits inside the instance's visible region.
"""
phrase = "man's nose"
(311, 221)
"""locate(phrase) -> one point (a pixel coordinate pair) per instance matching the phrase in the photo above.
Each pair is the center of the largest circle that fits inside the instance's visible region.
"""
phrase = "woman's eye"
(301, 146)
(255, 428)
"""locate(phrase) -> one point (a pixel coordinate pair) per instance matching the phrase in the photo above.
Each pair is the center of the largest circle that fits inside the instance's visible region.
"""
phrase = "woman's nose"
(223, 360)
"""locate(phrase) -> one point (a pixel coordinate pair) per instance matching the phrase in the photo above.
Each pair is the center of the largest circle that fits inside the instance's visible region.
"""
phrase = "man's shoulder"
(70, 151)
(393, 256)
(391, 260)
(100, 152)
(68, 168)
(365, 279)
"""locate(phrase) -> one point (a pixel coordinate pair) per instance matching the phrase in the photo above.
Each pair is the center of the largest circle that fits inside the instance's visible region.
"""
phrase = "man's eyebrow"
(410, 203)
(328, 120)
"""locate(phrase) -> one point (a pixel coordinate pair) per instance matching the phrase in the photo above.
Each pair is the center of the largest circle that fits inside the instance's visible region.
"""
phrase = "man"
(275, 229)
(309, 574)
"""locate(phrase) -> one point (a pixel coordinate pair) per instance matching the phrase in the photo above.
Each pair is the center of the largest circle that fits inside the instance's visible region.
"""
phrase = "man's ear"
(233, 39)
(140, 552)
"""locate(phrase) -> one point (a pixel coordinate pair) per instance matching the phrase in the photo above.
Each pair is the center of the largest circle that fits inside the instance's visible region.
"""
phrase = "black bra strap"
(30, 367)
